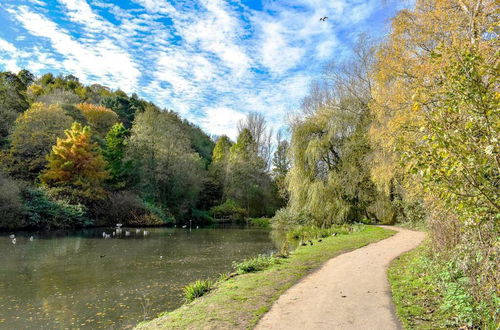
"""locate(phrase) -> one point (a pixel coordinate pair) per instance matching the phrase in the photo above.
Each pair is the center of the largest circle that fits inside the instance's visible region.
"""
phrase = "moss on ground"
(241, 301)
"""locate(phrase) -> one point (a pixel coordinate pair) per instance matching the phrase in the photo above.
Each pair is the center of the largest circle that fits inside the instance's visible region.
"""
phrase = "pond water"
(81, 280)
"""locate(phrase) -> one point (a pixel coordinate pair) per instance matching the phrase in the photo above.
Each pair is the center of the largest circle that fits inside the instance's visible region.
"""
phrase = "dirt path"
(350, 291)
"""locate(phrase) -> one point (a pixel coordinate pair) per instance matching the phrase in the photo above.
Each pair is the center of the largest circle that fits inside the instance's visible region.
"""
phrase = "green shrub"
(197, 289)
(255, 264)
(158, 212)
(228, 209)
(44, 212)
(261, 222)
(11, 207)
(202, 217)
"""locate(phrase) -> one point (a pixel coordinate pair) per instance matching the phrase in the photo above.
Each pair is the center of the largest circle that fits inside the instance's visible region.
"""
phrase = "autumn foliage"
(75, 162)
(100, 118)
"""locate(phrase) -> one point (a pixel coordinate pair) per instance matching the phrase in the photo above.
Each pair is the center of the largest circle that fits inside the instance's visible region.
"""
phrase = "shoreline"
(242, 300)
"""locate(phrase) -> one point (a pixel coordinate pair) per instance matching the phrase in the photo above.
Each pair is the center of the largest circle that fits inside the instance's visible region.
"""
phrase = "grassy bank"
(242, 300)
(430, 295)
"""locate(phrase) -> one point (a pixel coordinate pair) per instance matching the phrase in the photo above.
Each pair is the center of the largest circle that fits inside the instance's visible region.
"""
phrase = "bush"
(261, 222)
(286, 218)
(44, 212)
(128, 208)
(202, 217)
(228, 209)
(255, 264)
(11, 207)
(197, 289)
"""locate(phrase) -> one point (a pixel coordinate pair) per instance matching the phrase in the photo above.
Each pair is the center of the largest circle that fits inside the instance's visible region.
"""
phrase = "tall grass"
(255, 264)
(197, 289)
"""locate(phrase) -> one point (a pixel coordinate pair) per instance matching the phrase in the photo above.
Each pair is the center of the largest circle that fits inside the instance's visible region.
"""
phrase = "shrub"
(200, 216)
(254, 264)
(228, 209)
(11, 208)
(286, 218)
(261, 222)
(45, 213)
(197, 289)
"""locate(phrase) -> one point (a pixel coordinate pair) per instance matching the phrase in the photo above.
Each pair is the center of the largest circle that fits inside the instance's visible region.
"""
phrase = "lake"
(78, 279)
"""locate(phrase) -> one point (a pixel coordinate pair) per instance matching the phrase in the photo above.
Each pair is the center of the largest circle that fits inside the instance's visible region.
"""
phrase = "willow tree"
(330, 179)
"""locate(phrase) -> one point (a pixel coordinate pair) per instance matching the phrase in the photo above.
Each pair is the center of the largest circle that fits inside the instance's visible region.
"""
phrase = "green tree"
(170, 173)
(281, 165)
(12, 102)
(246, 181)
(114, 154)
(35, 132)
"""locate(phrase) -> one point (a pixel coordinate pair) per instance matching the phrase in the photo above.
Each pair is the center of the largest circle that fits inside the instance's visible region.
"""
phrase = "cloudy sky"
(212, 61)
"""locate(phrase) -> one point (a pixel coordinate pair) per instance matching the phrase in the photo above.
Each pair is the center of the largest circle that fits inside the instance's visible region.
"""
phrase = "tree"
(246, 181)
(12, 102)
(330, 177)
(281, 166)
(435, 129)
(221, 149)
(114, 154)
(35, 132)
(124, 107)
(256, 124)
(169, 172)
(76, 166)
(100, 118)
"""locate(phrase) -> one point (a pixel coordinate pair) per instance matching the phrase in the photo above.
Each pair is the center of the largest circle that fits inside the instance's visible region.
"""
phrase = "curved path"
(350, 291)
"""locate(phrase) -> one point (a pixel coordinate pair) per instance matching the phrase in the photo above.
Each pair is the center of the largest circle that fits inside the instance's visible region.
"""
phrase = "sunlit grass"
(240, 301)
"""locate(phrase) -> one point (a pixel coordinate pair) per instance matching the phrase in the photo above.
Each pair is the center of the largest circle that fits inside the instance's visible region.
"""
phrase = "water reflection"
(80, 279)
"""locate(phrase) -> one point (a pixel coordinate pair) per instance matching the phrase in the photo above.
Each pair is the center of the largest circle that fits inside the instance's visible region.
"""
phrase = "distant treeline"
(76, 155)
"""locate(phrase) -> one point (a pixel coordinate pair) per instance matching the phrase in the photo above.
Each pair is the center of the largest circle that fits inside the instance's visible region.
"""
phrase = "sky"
(212, 61)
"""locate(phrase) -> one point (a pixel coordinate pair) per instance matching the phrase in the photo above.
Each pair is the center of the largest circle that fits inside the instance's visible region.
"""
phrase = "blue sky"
(212, 61)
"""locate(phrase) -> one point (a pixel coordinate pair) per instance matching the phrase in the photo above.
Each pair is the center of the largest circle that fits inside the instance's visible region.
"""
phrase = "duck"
(14, 241)
(31, 238)
(12, 236)
(184, 227)
(137, 231)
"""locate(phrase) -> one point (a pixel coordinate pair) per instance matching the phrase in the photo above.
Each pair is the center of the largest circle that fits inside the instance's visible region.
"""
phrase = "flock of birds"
(14, 239)
(117, 232)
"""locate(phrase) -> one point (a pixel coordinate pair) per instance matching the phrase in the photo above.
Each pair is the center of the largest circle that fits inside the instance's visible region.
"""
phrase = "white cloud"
(94, 61)
(210, 60)
(221, 120)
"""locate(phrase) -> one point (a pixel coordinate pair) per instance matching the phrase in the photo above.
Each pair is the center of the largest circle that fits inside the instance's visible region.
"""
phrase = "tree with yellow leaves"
(436, 128)
(76, 166)
(100, 118)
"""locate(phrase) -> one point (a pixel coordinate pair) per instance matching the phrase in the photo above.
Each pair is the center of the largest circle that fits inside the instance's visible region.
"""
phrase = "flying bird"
(323, 19)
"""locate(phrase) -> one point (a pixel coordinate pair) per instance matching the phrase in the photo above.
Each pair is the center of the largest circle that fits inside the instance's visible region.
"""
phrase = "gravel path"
(350, 291)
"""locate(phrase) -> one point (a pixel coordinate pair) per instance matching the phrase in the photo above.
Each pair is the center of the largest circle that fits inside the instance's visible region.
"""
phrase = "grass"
(255, 264)
(240, 301)
(416, 292)
(197, 289)
(260, 222)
